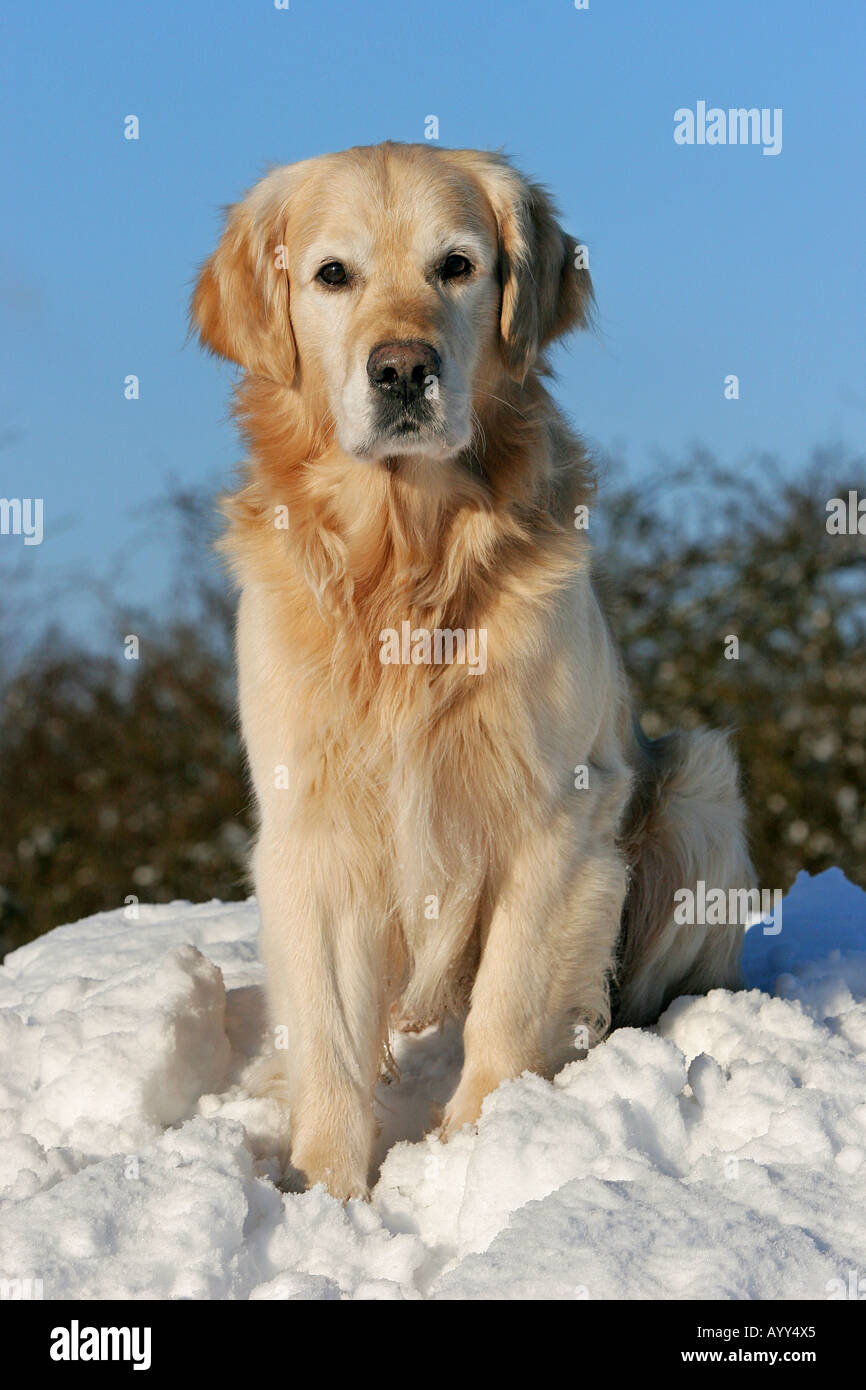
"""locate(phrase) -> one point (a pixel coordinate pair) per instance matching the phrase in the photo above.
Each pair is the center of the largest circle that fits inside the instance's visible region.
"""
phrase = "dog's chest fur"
(419, 767)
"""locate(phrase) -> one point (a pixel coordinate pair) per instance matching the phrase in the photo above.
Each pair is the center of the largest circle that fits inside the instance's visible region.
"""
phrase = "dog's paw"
(343, 1186)
(464, 1108)
(341, 1179)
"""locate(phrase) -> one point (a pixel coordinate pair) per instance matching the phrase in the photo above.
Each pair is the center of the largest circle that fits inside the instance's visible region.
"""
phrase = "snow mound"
(720, 1155)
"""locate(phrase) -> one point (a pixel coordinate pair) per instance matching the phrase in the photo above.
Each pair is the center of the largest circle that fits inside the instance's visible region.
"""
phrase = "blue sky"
(706, 260)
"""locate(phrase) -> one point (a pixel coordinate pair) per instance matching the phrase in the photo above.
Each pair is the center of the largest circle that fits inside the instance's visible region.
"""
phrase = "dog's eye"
(334, 273)
(455, 267)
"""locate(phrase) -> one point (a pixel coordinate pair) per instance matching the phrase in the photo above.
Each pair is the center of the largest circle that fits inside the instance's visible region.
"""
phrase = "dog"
(424, 847)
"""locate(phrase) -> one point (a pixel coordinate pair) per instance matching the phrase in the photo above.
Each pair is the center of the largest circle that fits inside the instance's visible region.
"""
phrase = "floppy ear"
(545, 288)
(240, 304)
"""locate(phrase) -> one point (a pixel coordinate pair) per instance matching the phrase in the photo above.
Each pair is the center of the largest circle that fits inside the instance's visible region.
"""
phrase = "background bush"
(126, 777)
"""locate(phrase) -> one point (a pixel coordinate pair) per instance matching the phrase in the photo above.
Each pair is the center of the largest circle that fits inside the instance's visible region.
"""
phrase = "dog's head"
(396, 285)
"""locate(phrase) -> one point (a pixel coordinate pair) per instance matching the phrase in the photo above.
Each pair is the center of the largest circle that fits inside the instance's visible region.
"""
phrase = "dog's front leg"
(544, 965)
(323, 947)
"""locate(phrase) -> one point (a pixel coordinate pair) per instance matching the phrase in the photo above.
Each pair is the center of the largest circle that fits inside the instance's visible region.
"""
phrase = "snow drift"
(720, 1155)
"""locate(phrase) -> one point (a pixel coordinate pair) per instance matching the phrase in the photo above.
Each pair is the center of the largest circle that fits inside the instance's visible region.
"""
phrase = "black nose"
(403, 369)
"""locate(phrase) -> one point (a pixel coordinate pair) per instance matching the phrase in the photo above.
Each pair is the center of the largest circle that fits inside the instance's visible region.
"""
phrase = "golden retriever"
(411, 496)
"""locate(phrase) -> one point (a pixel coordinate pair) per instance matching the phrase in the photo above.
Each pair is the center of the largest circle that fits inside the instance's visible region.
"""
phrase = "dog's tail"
(685, 825)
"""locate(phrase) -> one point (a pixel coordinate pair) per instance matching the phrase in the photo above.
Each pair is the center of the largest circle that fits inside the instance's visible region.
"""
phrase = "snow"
(720, 1155)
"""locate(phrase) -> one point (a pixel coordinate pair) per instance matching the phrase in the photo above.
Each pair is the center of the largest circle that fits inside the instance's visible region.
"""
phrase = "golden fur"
(422, 845)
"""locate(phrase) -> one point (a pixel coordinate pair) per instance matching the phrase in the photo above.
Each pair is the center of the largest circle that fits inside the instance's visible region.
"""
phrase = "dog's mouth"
(398, 417)
(405, 426)
(402, 429)
(414, 424)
